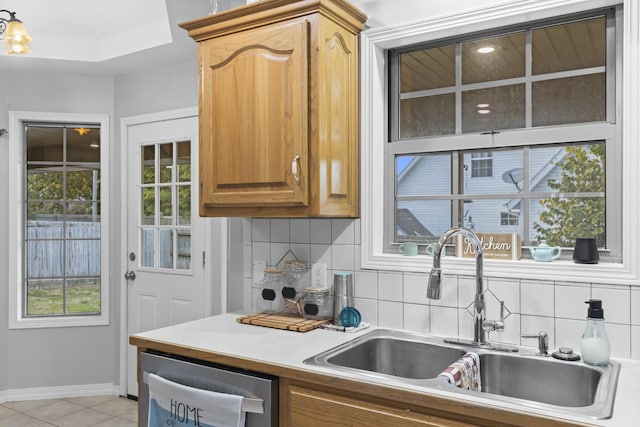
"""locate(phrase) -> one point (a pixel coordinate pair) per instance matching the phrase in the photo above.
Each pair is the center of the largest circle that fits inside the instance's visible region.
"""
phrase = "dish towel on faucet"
(173, 404)
(464, 373)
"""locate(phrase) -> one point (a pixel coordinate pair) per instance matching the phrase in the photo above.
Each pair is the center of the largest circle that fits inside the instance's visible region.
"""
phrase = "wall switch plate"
(259, 265)
(319, 275)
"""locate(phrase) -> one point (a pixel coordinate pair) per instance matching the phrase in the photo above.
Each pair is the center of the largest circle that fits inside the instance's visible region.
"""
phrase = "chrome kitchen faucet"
(481, 324)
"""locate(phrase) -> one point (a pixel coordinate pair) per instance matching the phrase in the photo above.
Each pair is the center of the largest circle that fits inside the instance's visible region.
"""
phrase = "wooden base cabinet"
(301, 406)
(279, 109)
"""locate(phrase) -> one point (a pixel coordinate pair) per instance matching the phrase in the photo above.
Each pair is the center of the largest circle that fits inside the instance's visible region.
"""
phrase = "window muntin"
(561, 89)
(62, 237)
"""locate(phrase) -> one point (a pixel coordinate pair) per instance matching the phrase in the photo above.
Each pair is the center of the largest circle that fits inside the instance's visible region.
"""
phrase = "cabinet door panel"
(338, 120)
(256, 117)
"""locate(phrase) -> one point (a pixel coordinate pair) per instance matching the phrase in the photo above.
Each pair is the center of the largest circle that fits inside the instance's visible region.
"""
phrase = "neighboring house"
(497, 172)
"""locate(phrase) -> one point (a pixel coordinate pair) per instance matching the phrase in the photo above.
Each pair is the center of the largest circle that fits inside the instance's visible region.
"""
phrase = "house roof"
(413, 229)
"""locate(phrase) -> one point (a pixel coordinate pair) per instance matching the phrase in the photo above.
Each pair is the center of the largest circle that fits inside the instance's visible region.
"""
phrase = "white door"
(166, 255)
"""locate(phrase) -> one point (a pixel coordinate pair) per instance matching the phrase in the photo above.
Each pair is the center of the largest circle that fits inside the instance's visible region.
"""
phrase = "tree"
(565, 219)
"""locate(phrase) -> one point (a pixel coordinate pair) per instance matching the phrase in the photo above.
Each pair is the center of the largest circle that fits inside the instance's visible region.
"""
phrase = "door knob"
(130, 275)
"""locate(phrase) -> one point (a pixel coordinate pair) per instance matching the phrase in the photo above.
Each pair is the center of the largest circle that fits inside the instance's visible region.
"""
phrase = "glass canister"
(317, 304)
(270, 300)
(294, 287)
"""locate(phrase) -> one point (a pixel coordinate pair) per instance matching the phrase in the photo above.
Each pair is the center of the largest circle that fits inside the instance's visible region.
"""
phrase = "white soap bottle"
(595, 341)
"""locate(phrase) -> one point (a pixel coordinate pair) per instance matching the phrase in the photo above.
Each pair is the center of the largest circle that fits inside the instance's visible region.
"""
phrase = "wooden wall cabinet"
(279, 98)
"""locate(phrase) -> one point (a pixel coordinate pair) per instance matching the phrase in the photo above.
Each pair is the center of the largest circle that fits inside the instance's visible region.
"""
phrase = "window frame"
(17, 120)
(374, 131)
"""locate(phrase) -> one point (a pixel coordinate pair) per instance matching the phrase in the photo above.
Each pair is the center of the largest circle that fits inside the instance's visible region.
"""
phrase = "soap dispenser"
(595, 342)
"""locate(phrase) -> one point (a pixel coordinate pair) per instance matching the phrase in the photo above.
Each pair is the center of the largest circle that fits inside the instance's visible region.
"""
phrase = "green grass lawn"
(81, 299)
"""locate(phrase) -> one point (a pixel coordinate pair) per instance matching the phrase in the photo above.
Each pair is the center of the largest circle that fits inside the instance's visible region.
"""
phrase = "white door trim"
(221, 234)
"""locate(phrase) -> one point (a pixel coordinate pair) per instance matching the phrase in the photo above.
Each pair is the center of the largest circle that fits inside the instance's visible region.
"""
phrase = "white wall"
(60, 356)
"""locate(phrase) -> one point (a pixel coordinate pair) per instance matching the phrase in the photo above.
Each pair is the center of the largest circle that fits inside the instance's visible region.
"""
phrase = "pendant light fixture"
(14, 33)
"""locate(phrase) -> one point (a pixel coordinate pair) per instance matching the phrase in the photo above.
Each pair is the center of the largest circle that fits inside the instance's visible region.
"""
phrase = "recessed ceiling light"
(484, 111)
(482, 105)
(486, 49)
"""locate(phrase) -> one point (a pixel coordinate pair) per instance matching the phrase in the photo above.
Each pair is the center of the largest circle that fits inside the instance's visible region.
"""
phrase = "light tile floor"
(99, 411)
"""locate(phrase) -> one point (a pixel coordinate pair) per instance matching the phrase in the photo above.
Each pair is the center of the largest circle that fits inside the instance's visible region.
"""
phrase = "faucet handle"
(495, 325)
(543, 342)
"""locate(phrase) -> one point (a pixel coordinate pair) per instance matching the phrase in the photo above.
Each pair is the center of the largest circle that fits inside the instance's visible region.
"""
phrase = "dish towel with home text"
(173, 404)
(464, 373)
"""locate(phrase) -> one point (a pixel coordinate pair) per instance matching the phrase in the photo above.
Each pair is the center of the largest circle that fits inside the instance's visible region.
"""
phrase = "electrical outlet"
(319, 275)
(259, 266)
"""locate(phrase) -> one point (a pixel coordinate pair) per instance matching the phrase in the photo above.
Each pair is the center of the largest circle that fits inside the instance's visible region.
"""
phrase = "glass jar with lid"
(294, 287)
(270, 297)
(317, 304)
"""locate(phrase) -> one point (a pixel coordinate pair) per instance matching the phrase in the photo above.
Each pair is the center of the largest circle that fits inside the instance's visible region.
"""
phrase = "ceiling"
(104, 37)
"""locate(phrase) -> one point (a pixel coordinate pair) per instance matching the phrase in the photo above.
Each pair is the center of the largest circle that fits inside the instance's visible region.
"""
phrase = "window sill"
(563, 271)
(58, 322)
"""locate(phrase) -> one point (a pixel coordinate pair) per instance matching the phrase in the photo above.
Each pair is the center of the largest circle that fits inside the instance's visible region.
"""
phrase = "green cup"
(409, 249)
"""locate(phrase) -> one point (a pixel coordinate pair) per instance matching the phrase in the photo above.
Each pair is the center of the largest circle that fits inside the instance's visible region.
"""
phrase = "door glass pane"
(166, 162)
(166, 248)
(83, 295)
(571, 46)
(184, 205)
(147, 245)
(44, 258)
(494, 108)
(83, 258)
(45, 183)
(184, 249)
(494, 58)
(148, 164)
(166, 205)
(83, 184)
(184, 161)
(148, 205)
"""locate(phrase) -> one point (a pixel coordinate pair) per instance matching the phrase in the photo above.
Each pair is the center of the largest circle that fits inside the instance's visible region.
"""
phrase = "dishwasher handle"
(252, 405)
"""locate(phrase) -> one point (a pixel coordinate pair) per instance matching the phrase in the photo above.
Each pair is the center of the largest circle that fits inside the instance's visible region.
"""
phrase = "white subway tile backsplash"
(533, 325)
(616, 302)
(278, 251)
(415, 288)
(444, 321)
(261, 230)
(390, 314)
(300, 230)
(342, 232)
(448, 292)
(321, 253)
(365, 284)
(398, 300)
(569, 333)
(537, 298)
(368, 309)
(570, 298)
(342, 257)
(416, 318)
(320, 230)
(620, 339)
(390, 286)
(635, 306)
(280, 230)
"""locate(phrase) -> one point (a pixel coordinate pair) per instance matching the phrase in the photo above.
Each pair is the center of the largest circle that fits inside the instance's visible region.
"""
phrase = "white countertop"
(223, 335)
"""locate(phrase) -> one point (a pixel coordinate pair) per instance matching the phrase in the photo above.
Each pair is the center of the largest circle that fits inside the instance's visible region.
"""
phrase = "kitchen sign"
(494, 246)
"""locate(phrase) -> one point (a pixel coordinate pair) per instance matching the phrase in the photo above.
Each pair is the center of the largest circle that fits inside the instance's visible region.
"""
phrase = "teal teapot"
(545, 253)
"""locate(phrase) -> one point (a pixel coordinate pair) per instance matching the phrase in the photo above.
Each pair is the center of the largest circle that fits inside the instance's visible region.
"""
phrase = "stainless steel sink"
(527, 380)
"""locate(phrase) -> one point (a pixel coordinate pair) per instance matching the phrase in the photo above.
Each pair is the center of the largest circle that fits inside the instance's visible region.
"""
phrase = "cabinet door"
(253, 117)
(313, 408)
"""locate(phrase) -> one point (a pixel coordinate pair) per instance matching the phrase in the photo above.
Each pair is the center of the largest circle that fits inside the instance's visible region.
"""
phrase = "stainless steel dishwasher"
(260, 390)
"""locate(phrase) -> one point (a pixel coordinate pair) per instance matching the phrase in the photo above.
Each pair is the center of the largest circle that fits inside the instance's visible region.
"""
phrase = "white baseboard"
(38, 393)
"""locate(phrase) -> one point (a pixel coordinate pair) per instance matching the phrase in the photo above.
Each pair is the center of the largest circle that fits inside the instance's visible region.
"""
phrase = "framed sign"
(494, 245)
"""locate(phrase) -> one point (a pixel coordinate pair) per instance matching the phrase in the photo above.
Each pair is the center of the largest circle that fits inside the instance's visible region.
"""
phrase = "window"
(448, 138)
(58, 220)
(479, 128)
